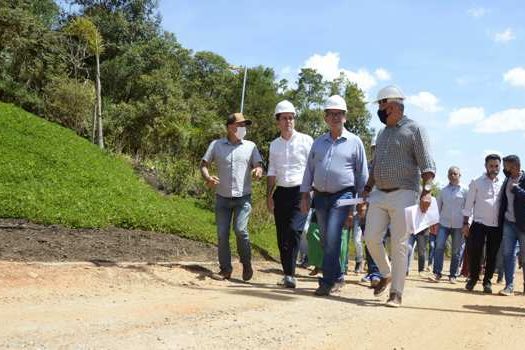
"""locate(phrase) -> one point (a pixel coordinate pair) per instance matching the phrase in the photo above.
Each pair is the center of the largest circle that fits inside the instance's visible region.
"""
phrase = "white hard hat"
(390, 91)
(335, 102)
(284, 106)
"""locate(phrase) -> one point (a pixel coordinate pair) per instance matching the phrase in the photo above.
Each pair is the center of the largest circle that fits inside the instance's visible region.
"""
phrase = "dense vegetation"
(161, 103)
(50, 175)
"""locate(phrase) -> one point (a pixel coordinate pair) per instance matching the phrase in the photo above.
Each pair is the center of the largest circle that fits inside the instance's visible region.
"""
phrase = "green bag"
(315, 251)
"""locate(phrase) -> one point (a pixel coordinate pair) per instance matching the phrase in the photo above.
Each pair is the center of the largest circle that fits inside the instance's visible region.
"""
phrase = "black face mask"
(383, 115)
(506, 173)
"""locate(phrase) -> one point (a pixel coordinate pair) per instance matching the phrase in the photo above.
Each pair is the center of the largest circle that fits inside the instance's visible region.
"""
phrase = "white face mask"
(241, 132)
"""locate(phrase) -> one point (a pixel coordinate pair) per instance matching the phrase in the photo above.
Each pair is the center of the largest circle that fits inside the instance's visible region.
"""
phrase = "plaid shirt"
(402, 154)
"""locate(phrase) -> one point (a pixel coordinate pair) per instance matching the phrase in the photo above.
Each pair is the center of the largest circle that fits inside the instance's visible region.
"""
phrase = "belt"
(388, 190)
(347, 189)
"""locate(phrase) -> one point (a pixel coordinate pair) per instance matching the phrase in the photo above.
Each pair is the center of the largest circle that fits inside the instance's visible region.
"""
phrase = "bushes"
(70, 103)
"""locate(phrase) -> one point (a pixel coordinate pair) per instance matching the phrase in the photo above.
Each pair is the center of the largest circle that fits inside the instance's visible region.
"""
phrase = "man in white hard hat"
(237, 160)
(336, 170)
(402, 159)
(288, 156)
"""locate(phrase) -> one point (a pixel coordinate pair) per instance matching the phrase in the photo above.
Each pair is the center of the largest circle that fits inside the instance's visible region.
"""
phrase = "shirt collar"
(345, 134)
(294, 133)
(225, 140)
(496, 179)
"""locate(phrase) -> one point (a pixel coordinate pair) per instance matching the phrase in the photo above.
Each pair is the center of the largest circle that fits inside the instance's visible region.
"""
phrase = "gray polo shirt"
(402, 154)
(234, 163)
(335, 165)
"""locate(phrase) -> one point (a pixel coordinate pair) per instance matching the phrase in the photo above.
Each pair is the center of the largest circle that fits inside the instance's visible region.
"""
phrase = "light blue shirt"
(334, 165)
(451, 202)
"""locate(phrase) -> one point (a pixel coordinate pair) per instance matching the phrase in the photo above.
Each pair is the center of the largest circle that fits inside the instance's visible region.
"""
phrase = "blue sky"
(460, 63)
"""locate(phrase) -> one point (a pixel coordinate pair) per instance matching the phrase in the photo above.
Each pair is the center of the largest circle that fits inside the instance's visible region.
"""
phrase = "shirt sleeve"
(471, 197)
(306, 186)
(361, 171)
(210, 153)
(271, 161)
(256, 157)
(422, 151)
(439, 199)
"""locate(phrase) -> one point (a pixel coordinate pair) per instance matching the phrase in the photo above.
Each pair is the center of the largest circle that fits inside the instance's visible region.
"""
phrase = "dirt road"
(177, 306)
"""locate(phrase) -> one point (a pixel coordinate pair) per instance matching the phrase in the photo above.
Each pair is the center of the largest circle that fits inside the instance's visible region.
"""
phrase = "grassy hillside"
(50, 175)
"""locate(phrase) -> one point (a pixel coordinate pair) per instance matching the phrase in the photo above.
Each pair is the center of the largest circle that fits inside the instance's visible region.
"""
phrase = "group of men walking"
(330, 171)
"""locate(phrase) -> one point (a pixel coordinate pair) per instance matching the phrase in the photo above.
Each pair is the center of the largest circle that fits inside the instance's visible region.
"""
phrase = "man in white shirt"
(288, 157)
(482, 202)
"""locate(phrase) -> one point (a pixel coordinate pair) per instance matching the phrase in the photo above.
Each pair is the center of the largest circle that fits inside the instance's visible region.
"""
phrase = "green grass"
(49, 175)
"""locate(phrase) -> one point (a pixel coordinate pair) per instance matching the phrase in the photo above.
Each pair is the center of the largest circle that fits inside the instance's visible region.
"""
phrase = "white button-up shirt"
(288, 159)
(451, 201)
(482, 200)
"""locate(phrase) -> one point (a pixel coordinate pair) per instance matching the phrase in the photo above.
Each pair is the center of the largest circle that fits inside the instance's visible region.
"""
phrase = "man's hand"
(349, 220)
(257, 172)
(366, 192)
(269, 204)
(305, 202)
(212, 181)
(361, 210)
(424, 202)
(465, 230)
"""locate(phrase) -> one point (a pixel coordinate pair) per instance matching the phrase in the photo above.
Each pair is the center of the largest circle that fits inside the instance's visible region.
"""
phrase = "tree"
(357, 117)
(88, 33)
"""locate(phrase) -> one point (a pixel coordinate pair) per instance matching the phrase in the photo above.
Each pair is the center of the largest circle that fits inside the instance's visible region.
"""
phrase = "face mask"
(241, 132)
(383, 115)
(506, 173)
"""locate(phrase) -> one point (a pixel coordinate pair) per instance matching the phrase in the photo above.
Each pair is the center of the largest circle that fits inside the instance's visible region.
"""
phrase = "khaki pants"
(388, 210)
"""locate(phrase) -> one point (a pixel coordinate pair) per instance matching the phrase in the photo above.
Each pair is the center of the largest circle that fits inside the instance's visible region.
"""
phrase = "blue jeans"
(457, 242)
(331, 219)
(511, 235)
(431, 249)
(239, 208)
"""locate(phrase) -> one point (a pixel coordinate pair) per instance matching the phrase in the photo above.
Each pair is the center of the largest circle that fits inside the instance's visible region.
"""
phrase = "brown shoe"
(221, 275)
(394, 300)
(315, 271)
(247, 272)
(381, 286)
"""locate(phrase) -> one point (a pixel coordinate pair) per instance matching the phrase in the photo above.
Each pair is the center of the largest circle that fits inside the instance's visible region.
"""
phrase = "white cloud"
(466, 115)
(382, 74)
(477, 12)
(426, 101)
(508, 120)
(328, 66)
(515, 77)
(505, 36)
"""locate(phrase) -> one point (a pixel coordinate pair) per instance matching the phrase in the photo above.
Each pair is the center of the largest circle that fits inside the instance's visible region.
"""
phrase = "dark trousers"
(289, 223)
(480, 233)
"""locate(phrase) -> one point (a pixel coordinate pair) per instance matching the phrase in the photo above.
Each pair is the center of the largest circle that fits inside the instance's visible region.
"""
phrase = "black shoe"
(247, 272)
(323, 290)
(470, 285)
(381, 286)
(487, 288)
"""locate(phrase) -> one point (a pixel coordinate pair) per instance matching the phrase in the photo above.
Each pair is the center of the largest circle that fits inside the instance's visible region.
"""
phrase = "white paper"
(349, 201)
(416, 221)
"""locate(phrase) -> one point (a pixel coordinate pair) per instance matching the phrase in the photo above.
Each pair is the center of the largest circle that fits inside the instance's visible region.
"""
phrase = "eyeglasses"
(335, 114)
